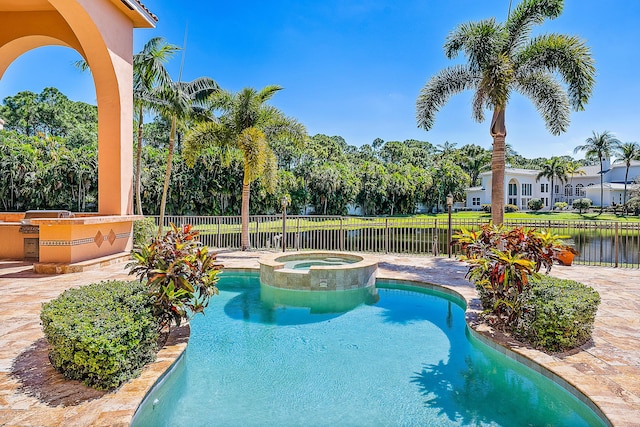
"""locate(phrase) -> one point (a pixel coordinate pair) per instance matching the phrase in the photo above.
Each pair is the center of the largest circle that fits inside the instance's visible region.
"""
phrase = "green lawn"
(413, 221)
(542, 216)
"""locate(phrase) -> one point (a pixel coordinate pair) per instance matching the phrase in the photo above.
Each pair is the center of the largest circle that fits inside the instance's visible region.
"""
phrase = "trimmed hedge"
(581, 204)
(535, 204)
(144, 230)
(101, 334)
(559, 313)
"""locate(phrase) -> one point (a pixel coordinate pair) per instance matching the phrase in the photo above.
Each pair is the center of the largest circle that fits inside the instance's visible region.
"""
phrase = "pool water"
(304, 264)
(406, 359)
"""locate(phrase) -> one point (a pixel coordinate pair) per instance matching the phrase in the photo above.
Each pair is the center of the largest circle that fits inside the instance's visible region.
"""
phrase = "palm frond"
(148, 64)
(278, 126)
(497, 76)
(626, 152)
(480, 42)
(199, 137)
(253, 144)
(567, 55)
(267, 92)
(82, 65)
(599, 145)
(549, 97)
(525, 15)
(439, 89)
(479, 104)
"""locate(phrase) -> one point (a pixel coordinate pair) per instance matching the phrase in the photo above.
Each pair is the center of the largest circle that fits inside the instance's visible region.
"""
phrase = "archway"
(102, 32)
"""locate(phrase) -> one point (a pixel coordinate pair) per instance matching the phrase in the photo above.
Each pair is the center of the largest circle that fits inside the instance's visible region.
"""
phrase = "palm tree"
(148, 72)
(599, 146)
(248, 124)
(553, 168)
(446, 149)
(573, 168)
(474, 161)
(502, 59)
(180, 101)
(626, 152)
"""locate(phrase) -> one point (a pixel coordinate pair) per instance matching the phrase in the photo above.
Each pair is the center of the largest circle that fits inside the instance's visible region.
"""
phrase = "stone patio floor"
(33, 394)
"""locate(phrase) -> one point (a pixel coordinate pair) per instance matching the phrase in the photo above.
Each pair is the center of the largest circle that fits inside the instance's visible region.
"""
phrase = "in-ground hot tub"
(323, 282)
(318, 271)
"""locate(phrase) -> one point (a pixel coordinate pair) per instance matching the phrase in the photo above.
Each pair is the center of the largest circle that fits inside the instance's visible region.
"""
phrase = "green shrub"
(511, 208)
(486, 207)
(633, 205)
(144, 230)
(535, 204)
(560, 205)
(559, 314)
(582, 204)
(101, 334)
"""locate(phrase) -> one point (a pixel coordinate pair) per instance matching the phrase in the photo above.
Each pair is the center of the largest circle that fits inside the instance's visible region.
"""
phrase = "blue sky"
(354, 68)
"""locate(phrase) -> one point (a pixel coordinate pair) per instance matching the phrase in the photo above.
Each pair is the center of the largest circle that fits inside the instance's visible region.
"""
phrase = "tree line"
(48, 158)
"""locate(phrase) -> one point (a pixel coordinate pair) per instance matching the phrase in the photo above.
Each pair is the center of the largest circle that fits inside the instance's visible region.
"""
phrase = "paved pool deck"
(33, 394)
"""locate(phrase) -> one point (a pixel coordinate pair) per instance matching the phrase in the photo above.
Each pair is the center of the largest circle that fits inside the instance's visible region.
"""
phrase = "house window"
(524, 203)
(527, 189)
(568, 190)
(475, 201)
(580, 190)
(513, 189)
(544, 188)
(556, 189)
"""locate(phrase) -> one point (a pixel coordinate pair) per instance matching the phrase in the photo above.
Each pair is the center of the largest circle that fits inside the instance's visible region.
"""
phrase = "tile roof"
(146, 9)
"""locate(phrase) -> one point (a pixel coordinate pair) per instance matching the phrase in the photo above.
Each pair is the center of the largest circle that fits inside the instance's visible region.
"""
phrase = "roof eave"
(139, 14)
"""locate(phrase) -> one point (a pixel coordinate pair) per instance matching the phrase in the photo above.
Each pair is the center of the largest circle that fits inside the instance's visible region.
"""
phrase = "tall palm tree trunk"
(553, 187)
(244, 212)
(167, 174)
(626, 177)
(498, 133)
(139, 162)
(601, 188)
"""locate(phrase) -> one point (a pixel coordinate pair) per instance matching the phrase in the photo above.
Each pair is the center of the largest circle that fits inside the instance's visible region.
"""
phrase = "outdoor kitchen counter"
(79, 219)
(65, 241)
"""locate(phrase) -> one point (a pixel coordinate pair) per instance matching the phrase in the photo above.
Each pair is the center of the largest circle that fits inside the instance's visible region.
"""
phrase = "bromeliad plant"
(501, 262)
(181, 274)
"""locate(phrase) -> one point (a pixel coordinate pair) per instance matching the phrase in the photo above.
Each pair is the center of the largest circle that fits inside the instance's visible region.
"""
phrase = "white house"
(521, 186)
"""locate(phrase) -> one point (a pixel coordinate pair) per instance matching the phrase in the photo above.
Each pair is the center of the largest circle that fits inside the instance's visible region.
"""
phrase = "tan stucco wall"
(102, 32)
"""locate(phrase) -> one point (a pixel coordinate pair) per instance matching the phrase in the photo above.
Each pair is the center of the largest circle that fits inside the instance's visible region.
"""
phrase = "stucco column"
(106, 36)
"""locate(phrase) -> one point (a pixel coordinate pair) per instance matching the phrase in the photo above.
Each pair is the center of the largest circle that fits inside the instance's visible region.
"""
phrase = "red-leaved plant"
(501, 261)
(181, 274)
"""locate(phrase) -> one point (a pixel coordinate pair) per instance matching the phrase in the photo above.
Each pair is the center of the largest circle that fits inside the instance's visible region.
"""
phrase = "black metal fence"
(604, 243)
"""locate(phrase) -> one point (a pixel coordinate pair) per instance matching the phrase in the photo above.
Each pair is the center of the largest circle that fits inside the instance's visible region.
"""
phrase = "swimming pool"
(406, 358)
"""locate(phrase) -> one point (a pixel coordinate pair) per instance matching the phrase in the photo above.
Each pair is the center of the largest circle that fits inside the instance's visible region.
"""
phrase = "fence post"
(255, 238)
(386, 235)
(298, 234)
(436, 243)
(615, 242)
(341, 235)
(218, 238)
